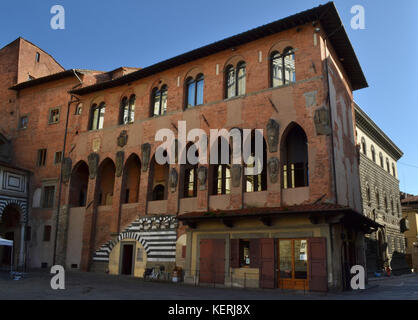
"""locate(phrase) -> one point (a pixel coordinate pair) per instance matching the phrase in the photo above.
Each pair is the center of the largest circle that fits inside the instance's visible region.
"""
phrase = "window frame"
(41, 157)
(99, 107)
(48, 202)
(280, 57)
(200, 78)
(50, 115)
(20, 122)
(235, 71)
(161, 92)
(127, 105)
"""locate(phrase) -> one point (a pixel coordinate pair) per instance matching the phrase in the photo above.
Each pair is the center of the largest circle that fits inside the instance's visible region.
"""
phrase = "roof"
(49, 78)
(266, 212)
(326, 14)
(408, 200)
(363, 121)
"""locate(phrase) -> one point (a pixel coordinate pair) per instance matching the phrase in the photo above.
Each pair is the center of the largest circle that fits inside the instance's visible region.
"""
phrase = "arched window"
(221, 172)
(158, 181)
(381, 159)
(377, 199)
(386, 203)
(189, 173)
(97, 116)
(159, 101)
(368, 195)
(235, 80)
(295, 159)
(387, 165)
(79, 109)
(392, 207)
(282, 67)
(127, 110)
(254, 183)
(393, 170)
(363, 146)
(194, 91)
(373, 154)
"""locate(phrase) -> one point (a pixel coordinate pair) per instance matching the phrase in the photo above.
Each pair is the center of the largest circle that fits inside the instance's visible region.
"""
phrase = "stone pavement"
(91, 286)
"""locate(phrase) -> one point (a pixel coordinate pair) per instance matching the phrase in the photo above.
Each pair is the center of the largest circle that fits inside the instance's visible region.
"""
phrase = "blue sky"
(104, 35)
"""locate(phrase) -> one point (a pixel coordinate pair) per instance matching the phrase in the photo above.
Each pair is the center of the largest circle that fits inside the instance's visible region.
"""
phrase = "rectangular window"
(54, 115)
(28, 233)
(41, 160)
(244, 249)
(23, 122)
(48, 200)
(47, 233)
(37, 57)
(58, 157)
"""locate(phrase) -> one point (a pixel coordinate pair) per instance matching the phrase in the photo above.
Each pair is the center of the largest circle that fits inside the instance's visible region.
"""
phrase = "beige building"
(410, 224)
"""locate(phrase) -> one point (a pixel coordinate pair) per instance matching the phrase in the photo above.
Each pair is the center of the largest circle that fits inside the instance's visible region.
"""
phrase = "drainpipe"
(63, 156)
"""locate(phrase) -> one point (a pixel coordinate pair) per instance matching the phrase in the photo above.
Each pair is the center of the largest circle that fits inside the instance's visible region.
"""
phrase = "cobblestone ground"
(89, 286)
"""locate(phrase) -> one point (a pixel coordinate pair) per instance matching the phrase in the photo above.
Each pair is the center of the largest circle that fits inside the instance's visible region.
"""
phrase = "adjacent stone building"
(378, 156)
(409, 224)
(97, 190)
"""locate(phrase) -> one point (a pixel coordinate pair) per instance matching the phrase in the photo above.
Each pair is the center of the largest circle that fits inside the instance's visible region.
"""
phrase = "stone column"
(22, 244)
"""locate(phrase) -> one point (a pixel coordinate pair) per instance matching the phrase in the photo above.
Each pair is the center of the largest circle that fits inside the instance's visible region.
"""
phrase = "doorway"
(212, 261)
(293, 268)
(7, 251)
(127, 259)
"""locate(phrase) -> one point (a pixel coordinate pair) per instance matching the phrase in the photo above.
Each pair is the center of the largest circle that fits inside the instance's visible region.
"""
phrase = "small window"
(235, 80)
(127, 110)
(97, 116)
(194, 91)
(373, 154)
(58, 157)
(41, 160)
(23, 122)
(79, 109)
(37, 57)
(381, 159)
(387, 165)
(28, 233)
(54, 115)
(47, 233)
(363, 146)
(393, 170)
(48, 200)
(159, 101)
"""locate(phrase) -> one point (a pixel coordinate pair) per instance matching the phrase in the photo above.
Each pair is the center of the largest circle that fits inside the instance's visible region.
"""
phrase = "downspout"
(63, 156)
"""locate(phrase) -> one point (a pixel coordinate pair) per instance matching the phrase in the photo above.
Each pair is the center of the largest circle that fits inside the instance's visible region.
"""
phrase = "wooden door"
(318, 278)
(267, 274)
(293, 269)
(127, 259)
(212, 261)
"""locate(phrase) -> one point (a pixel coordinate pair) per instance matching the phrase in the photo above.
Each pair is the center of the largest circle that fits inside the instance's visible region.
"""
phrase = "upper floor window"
(189, 172)
(58, 157)
(79, 109)
(377, 199)
(159, 101)
(363, 146)
(54, 115)
(48, 199)
(381, 159)
(235, 79)
(282, 67)
(368, 195)
(41, 159)
(97, 116)
(194, 91)
(37, 57)
(127, 110)
(373, 154)
(393, 170)
(23, 122)
(387, 165)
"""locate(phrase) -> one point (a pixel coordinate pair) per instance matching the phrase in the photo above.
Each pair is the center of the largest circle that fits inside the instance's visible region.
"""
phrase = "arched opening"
(255, 183)
(106, 182)
(79, 184)
(188, 171)
(158, 181)
(294, 153)
(10, 229)
(131, 178)
(220, 171)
